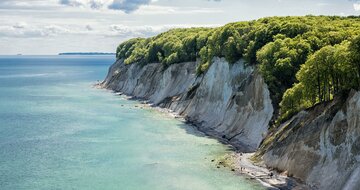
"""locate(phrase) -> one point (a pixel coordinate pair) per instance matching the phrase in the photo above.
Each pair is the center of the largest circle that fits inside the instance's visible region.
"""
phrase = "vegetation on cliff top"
(326, 73)
(304, 60)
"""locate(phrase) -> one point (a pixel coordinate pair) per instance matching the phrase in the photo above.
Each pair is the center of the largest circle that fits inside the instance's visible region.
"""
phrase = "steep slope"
(302, 61)
(230, 101)
(321, 145)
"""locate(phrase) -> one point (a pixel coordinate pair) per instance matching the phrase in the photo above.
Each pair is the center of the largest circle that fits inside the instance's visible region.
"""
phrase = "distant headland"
(86, 53)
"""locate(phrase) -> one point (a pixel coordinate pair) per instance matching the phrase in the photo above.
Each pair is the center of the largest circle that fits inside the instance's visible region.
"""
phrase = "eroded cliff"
(320, 146)
(230, 101)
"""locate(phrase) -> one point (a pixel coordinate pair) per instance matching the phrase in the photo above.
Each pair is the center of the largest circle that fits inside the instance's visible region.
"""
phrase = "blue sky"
(53, 26)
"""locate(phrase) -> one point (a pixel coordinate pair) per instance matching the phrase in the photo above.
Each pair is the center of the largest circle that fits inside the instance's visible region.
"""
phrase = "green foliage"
(326, 73)
(279, 61)
(238, 40)
(125, 49)
(304, 60)
(174, 46)
(354, 50)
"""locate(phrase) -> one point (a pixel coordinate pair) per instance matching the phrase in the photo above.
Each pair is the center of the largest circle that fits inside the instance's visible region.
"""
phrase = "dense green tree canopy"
(327, 72)
(304, 60)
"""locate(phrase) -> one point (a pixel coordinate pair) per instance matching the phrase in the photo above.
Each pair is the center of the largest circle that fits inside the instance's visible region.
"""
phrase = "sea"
(58, 132)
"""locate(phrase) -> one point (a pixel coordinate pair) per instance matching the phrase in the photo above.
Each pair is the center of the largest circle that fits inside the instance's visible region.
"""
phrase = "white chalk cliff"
(230, 101)
(320, 146)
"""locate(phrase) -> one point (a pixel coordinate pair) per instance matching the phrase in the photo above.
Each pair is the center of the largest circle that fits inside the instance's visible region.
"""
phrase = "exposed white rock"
(230, 101)
(321, 146)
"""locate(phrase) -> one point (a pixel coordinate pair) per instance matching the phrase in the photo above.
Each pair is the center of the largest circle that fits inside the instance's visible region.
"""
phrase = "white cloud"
(156, 10)
(322, 4)
(23, 30)
(89, 28)
(134, 31)
(28, 4)
(121, 31)
(356, 6)
(128, 6)
(20, 25)
(94, 4)
(79, 25)
(124, 31)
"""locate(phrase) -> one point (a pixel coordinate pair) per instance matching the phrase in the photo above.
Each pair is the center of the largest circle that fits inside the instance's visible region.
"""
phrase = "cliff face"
(230, 101)
(320, 145)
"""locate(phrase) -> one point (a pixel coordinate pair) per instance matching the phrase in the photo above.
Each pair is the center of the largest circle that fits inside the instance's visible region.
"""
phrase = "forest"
(304, 60)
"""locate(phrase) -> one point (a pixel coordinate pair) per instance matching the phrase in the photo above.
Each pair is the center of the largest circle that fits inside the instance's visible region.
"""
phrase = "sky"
(45, 27)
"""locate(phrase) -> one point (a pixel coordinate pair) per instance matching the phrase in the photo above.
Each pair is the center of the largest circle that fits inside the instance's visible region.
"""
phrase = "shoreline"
(237, 161)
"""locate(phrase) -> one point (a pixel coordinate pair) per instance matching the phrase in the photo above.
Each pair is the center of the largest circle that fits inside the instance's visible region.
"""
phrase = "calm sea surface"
(57, 132)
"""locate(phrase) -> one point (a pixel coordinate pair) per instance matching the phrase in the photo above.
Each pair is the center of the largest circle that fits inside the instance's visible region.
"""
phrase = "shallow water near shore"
(58, 132)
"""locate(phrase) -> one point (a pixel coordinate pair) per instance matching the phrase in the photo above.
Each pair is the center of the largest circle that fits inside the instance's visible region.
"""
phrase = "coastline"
(238, 162)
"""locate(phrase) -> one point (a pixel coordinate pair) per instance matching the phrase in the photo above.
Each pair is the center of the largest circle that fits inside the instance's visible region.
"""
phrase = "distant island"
(86, 53)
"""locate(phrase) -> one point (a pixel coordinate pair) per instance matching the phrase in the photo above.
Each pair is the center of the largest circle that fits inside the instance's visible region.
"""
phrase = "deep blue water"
(58, 132)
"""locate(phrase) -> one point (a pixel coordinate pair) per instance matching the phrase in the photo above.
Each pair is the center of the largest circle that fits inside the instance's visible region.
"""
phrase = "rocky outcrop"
(321, 145)
(230, 101)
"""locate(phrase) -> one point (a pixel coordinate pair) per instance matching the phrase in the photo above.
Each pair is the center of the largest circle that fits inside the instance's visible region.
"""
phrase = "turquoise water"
(57, 132)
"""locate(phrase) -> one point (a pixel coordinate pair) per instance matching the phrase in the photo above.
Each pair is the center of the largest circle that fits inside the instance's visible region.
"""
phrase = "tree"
(303, 60)
(325, 74)
(355, 56)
